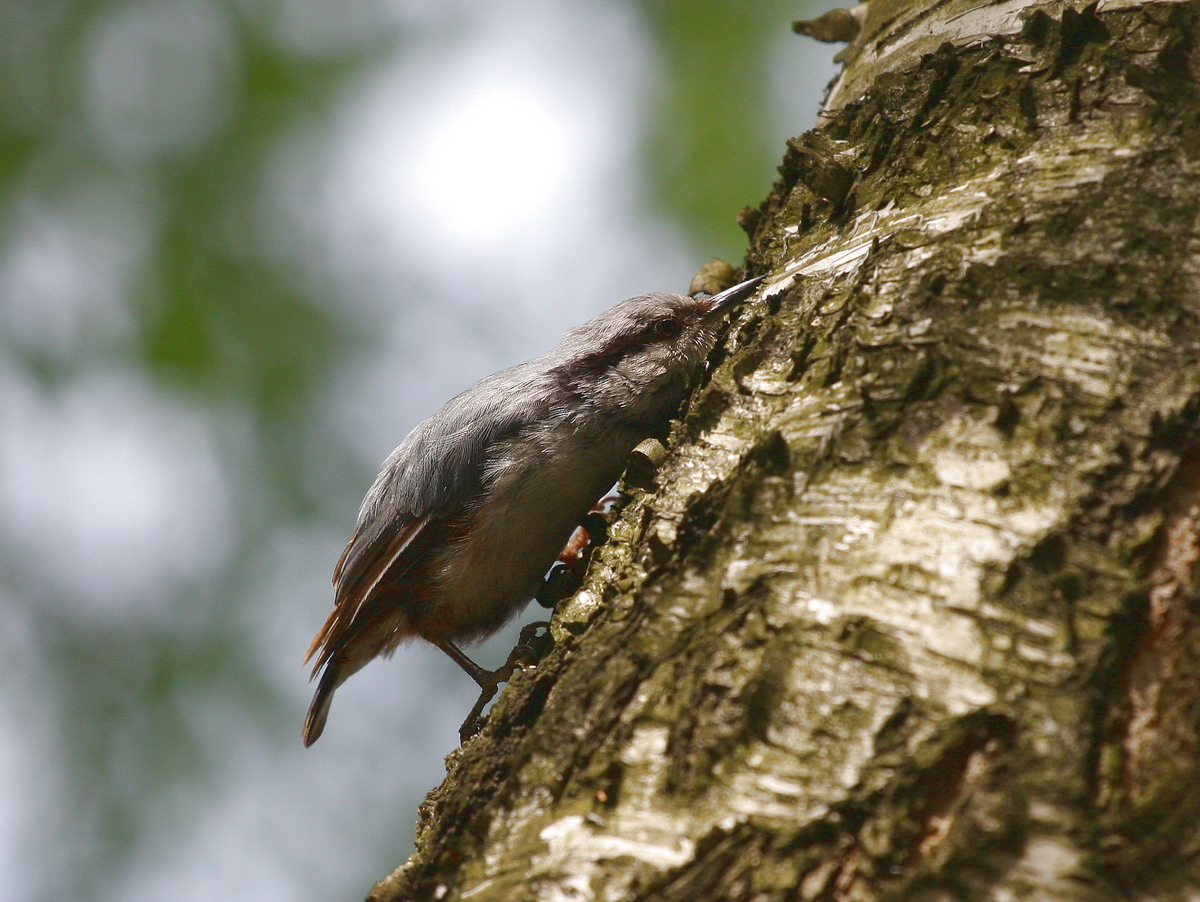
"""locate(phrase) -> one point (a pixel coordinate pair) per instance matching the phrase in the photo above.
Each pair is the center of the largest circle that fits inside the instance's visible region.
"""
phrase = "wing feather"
(356, 586)
(424, 486)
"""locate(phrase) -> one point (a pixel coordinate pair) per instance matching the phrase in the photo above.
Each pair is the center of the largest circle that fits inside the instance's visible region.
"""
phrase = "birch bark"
(910, 608)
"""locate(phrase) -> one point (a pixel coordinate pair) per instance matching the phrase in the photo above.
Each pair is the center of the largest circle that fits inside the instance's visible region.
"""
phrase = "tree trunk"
(909, 610)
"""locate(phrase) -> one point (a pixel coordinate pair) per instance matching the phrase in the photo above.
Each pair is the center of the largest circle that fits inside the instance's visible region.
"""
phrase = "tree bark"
(910, 608)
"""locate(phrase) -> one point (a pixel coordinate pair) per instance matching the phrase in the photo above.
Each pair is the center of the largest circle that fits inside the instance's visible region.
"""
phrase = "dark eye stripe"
(616, 348)
(619, 346)
(668, 327)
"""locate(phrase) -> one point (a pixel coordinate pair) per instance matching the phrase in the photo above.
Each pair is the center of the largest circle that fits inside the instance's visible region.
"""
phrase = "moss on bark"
(911, 611)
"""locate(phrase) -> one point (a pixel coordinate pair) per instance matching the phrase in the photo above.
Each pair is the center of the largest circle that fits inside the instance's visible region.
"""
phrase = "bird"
(471, 509)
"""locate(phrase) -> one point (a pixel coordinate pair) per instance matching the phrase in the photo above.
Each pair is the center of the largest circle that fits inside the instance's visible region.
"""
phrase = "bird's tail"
(318, 711)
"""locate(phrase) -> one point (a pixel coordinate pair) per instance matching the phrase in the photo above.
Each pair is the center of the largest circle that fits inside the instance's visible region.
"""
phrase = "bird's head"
(638, 356)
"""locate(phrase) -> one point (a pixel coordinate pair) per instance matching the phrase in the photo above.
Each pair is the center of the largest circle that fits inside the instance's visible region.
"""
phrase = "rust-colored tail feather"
(356, 588)
(322, 638)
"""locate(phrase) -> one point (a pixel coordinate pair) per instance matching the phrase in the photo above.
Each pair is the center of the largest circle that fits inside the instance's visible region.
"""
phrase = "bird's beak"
(719, 303)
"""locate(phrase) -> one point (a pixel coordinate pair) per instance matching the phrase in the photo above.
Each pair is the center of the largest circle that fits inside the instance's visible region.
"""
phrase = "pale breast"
(536, 497)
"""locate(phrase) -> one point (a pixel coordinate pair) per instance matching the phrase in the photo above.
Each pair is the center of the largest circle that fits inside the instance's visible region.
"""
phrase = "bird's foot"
(532, 645)
(565, 575)
(475, 720)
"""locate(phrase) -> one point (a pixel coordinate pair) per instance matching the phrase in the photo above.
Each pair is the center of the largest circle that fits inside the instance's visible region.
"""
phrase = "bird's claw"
(475, 720)
(532, 645)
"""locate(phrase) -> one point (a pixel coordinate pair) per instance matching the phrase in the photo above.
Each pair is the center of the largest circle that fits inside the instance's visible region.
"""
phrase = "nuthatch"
(471, 509)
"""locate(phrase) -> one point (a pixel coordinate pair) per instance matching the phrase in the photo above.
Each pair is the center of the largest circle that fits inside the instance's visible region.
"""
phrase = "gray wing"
(434, 472)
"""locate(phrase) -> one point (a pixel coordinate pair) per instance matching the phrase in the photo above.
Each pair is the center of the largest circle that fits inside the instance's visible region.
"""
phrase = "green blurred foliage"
(215, 324)
(709, 153)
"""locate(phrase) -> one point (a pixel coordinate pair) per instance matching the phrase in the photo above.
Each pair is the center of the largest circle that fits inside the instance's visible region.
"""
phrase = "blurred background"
(246, 245)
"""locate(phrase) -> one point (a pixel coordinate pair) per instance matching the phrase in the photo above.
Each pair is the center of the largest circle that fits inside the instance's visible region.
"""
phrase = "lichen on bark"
(908, 611)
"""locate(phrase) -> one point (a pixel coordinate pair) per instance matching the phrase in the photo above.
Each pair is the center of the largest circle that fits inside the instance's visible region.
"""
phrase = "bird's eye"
(668, 327)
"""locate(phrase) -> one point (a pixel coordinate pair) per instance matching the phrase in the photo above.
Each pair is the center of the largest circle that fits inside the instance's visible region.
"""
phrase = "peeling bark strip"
(911, 614)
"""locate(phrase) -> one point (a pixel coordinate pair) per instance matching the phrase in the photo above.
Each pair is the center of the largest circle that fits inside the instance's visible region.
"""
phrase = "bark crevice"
(909, 612)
